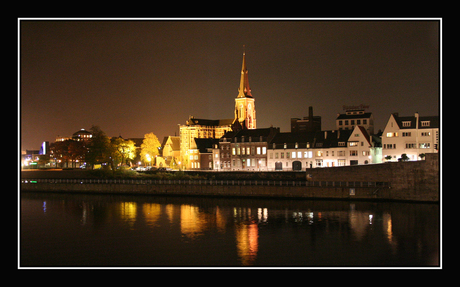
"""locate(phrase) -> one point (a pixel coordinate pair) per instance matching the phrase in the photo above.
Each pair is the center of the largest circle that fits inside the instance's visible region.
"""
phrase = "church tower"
(245, 110)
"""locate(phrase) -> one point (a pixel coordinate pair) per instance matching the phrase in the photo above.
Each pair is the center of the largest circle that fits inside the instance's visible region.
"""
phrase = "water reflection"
(256, 227)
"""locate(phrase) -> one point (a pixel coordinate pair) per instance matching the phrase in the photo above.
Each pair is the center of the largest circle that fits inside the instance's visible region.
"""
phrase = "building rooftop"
(429, 122)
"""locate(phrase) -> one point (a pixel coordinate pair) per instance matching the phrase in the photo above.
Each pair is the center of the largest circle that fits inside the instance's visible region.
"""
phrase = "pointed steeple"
(244, 90)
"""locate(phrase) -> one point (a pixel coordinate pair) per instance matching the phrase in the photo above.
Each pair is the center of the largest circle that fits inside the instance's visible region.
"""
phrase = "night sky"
(135, 77)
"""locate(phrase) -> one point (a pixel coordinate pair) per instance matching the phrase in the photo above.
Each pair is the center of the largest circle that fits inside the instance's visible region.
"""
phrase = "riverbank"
(400, 181)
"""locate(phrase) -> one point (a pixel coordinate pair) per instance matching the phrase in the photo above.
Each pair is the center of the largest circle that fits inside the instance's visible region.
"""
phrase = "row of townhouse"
(410, 135)
(269, 150)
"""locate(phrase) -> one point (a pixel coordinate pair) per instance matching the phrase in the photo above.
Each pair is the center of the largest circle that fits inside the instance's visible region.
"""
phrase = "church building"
(196, 128)
(245, 109)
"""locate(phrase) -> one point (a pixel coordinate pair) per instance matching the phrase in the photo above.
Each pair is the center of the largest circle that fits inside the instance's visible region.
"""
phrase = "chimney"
(416, 120)
(325, 134)
(310, 112)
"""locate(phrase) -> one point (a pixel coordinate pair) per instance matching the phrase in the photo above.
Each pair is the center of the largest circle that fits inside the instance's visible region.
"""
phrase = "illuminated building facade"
(171, 151)
(412, 135)
(245, 119)
(245, 109)
(353, 118)
(243, 150)
(199, 128)
(301, 151)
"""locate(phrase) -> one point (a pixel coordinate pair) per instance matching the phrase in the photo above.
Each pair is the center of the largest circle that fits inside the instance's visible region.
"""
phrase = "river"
(76, 230)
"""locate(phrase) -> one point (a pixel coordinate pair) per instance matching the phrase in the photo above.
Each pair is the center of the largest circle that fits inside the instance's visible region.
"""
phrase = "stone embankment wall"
(411, 181)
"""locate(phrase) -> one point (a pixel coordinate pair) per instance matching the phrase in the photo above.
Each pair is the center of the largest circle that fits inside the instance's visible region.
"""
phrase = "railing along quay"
(210, 182)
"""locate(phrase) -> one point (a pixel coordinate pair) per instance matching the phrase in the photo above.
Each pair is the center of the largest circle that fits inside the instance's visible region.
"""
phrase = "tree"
(123, 150)
(150, 147)
(99, 147)
(404, 157)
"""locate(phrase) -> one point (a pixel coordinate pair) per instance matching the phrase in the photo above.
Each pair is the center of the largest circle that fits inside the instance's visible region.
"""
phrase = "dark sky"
(136, 77)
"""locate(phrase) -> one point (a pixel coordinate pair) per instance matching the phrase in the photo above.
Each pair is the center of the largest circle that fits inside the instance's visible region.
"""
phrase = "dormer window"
(425, 123)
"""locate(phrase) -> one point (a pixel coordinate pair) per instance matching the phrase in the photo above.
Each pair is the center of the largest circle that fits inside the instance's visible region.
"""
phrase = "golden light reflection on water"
(194, 222)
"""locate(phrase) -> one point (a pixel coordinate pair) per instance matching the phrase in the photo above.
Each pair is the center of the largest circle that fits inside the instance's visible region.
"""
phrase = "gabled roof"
(434, 122)
(175, 142)
(366, 135)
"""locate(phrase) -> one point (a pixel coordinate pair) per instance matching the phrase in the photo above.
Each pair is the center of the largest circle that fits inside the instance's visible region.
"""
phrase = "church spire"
(244, 90)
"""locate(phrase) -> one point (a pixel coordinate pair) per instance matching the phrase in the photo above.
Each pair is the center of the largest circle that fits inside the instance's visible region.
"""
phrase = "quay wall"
(402, 181)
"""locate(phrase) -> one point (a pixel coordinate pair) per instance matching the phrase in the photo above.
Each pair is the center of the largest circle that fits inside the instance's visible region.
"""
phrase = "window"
(410, 145)
(264, 150)
(406, 134)
(425, 123)
(293, 154)
(340, 123)
(425, 134)
(288, 154)
(406, 123)
(282, 155)
(276, 155)
(248, 150)
(353, 153)
(341, 143)
(249, 162)
(299, 154)
(258, 150)
(319, 153)
(358, 122)
(390, 135)
(307, 154)
(364, 122)
(353, 143)
(424, 145)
